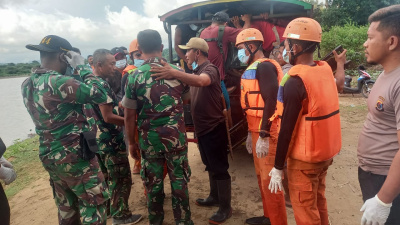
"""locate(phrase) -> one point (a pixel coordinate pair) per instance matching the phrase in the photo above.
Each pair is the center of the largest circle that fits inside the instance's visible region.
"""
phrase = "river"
(15, 122)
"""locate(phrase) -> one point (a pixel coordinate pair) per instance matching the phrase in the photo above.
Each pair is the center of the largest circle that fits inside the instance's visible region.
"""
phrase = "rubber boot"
(212, 199)
(225, 210)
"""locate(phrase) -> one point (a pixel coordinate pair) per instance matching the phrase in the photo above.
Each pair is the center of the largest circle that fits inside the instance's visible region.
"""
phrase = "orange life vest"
(128, 69)
(250, 97)
(317, 135)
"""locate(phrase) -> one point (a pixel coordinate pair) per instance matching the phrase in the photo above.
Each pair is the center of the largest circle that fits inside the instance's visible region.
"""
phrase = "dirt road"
(35, 205)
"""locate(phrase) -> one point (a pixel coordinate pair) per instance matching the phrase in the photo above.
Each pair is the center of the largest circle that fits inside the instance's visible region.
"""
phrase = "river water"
(15, 122)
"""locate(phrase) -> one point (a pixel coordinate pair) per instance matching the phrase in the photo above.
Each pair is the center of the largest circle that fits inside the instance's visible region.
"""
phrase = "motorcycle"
(364, 83)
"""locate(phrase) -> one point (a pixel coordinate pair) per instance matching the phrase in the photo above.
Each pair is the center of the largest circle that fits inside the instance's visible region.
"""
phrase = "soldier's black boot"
(225, 210)
(212, 199)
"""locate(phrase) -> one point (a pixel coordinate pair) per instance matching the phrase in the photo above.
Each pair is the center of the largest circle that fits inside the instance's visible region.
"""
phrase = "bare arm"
(167, 72)
(178, 41)
(130, 128)
(109, 116)
(247, 19)
(391, 188)
(339, 75)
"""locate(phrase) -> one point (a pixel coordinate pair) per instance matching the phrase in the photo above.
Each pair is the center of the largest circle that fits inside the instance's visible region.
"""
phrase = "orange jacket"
(128, 69)
(250, 97)
(317, 135)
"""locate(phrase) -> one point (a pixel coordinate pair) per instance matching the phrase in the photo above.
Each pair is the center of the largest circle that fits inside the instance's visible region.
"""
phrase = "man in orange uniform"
(259, 87)
(310, 134)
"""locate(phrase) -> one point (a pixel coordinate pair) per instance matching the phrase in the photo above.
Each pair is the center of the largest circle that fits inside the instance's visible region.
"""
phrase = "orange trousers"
(307, 194)
(273, 204)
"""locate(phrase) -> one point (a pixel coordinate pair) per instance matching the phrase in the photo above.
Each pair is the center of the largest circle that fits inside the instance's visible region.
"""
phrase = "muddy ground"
(35, 205)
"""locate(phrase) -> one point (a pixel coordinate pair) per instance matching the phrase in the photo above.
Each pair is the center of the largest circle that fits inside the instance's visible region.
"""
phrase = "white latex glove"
(276, 180)
(74, 59)
(375, 211)
(8, 175)
(5, 163)
(249, 144)
(262, 147)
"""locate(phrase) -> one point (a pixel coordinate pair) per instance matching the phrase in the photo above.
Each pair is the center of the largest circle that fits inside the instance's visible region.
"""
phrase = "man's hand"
(341, 58)
(134, 151)
(246, 18)
(249, 144)
(74, 59)
(7, 174)
(375, 211)
(236, 22)
(162, 72)
(264, 16)
(4, 162)
(262, 147)
(276, 180)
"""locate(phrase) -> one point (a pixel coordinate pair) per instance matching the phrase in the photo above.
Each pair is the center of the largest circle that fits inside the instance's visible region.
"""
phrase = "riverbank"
(14, 76)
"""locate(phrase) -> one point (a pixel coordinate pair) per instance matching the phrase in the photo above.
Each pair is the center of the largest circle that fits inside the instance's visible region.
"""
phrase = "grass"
(24, 156)
(354, 113)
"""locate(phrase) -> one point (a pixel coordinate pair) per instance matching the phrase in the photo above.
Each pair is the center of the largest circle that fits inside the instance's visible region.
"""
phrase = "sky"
(86, 24)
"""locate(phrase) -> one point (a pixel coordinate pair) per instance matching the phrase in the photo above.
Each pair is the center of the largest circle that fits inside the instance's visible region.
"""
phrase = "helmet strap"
(302, 51)
(252, 53)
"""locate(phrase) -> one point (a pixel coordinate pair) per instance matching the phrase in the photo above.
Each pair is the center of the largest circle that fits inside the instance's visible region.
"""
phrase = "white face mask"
(120, 64)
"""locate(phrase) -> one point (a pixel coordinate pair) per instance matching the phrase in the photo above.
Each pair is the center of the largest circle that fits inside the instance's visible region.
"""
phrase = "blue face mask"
(285, 56)
(194, 65)
(138, 62)
(242, 56)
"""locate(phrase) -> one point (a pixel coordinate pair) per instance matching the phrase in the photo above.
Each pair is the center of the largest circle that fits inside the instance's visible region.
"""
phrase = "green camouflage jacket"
(54, 102)
(109, 136)
(159, 108)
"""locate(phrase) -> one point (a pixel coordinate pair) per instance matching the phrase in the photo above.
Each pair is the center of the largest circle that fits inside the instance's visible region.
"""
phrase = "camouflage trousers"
(117, 173)
(79, 190)
(153, 180)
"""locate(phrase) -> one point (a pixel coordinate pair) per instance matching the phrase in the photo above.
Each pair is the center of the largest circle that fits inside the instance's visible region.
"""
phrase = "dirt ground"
(35, 205)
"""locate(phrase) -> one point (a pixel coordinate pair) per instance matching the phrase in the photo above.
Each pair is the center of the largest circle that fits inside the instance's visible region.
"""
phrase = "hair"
(49, 55)
(219, 23)
(203, 53)
(305, 44)
(89, 56)
(149, 41)
(389, 18)
(99, 55)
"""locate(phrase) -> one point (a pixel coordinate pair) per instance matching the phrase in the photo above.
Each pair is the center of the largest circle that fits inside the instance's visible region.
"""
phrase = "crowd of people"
(129, 102)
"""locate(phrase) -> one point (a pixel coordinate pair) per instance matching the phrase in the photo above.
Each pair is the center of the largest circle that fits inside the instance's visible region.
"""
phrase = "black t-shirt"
(294, 93)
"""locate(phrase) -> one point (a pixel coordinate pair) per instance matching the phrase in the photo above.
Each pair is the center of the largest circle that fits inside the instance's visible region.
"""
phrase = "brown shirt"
(378, 142)
(206, 103)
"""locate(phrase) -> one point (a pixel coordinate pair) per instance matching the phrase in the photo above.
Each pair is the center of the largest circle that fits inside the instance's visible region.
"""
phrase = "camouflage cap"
(51, 43)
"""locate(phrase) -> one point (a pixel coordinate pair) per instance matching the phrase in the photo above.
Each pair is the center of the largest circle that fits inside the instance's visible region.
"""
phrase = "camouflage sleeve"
(74, 91)
(130, 99)
(84, 70)
(103, 86)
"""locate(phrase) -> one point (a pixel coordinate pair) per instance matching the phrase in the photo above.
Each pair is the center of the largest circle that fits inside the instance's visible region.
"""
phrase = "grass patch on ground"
(24, 155)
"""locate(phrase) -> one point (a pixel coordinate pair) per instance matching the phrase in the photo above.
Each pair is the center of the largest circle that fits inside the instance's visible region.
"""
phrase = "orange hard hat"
(249, 34)
(133, 46)
(303, 28)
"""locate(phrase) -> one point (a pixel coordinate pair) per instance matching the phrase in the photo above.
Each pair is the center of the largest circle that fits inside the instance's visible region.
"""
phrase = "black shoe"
(225, 210)
(212, 199)
(259, 220)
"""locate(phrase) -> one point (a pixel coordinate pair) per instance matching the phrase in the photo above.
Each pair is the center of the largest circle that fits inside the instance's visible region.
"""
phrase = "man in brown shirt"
(209, 123)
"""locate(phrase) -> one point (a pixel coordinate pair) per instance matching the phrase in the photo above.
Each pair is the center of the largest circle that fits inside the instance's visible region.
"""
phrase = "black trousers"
(4, 208)
(370, 185)
(213, 148)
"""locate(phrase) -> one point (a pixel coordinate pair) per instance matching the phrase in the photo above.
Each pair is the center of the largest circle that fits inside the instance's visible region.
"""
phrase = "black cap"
(117, 50)
(220, 17)
(51, 43)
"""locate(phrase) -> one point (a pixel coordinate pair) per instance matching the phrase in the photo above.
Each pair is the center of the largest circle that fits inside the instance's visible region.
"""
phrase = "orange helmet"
(249, 34)
(305, 29)
(133, 46)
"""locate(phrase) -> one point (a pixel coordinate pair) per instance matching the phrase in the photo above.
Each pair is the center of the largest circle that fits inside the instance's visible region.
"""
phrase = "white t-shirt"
(378, 142)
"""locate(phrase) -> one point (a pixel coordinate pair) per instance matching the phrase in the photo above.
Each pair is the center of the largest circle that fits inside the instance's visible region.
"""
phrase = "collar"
(154, 60)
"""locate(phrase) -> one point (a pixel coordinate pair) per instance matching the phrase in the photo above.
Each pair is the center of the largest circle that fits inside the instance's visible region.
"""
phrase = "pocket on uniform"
(95, 190)
(301, 194)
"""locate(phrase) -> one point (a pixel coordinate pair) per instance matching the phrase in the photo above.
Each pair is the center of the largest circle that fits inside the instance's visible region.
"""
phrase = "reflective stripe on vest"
(250, 98)
(317, 136)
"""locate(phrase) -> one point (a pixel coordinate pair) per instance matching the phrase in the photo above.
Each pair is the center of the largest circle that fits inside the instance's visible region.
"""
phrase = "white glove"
(262, 147)
(276, 180)
(375, 212)
(249, 144)
(8, 175)
(74, 59)
(4, 162)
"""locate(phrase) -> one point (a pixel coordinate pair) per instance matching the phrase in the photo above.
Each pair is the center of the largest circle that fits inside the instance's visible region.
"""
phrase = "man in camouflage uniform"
(113, 157)
(54, 102)
(162, 136)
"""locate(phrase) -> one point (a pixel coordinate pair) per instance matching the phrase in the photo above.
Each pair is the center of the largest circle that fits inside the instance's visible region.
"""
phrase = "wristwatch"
(264, 134)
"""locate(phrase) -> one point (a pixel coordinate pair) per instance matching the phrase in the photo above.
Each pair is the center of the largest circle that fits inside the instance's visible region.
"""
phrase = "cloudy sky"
(86, 24)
